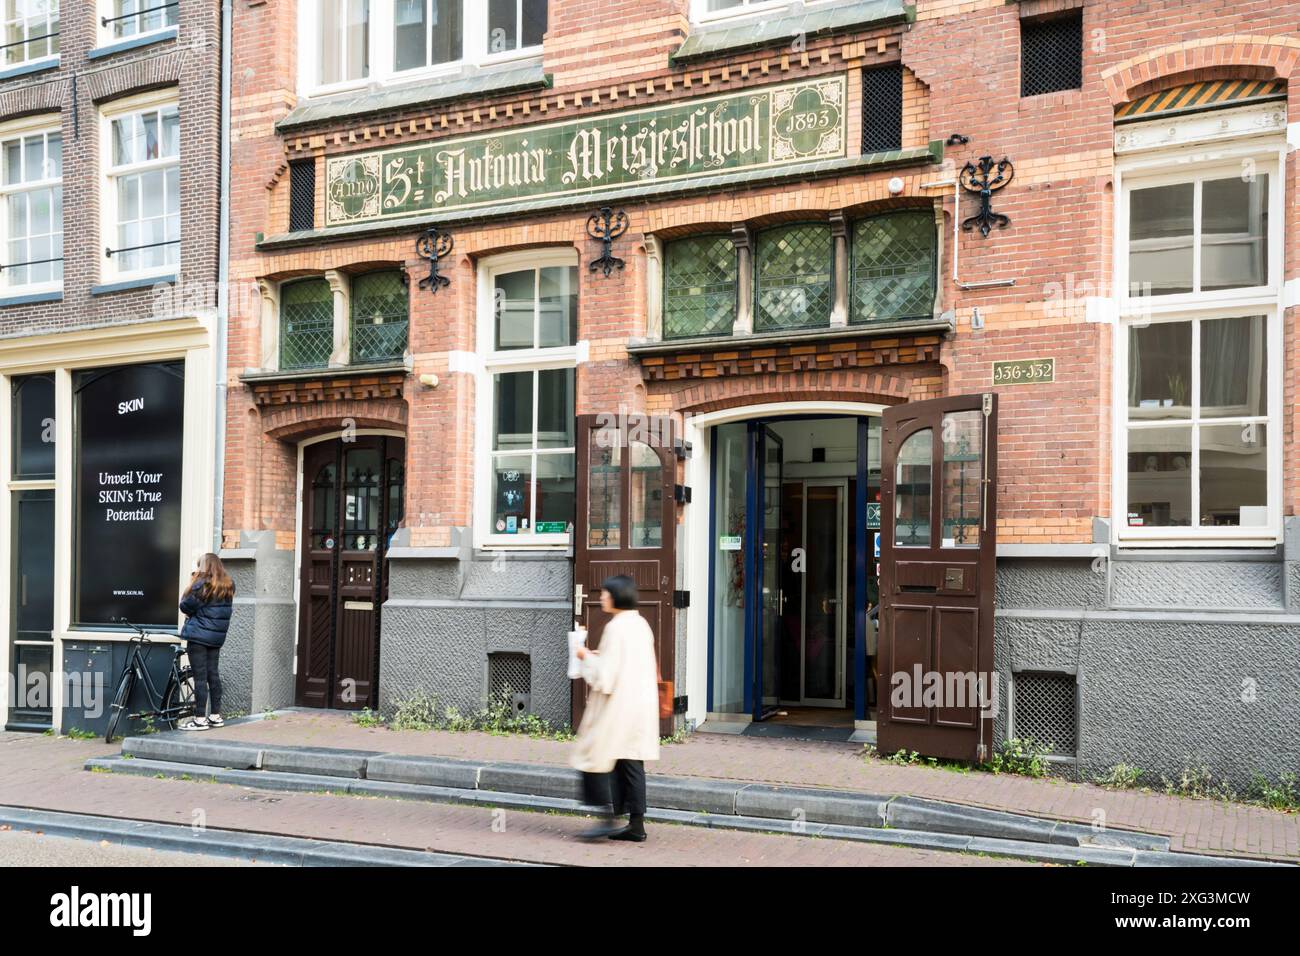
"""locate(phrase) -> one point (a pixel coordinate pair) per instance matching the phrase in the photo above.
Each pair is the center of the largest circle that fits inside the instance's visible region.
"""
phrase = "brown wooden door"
(626, 523)
(937, 564)
(352, 504)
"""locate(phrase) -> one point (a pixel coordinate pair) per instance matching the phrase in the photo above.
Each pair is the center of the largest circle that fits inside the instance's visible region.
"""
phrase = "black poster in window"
(130, 424)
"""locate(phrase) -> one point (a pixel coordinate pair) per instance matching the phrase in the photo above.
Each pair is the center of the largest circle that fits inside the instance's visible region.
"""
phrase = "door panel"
(352, 503)
(937, 563)
(626, 523)
(765, 627)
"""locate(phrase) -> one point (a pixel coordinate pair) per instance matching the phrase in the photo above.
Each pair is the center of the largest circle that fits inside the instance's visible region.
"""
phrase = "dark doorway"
(353, 494)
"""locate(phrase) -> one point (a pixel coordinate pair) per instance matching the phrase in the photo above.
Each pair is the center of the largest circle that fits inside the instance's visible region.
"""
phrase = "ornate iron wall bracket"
(434, 245)
(984, 180)
(605, 226)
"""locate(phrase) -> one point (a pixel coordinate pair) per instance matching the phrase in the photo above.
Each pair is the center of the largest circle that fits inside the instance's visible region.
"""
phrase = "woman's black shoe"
(599, 833)
(629, 835)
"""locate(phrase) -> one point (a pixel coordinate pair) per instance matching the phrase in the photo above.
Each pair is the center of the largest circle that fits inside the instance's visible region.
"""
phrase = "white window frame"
(750, 8)
(143, 103)
(474, 49)
(1185, 164)
(492, 362)
(42, 125)
(106, 9)
(51, 14)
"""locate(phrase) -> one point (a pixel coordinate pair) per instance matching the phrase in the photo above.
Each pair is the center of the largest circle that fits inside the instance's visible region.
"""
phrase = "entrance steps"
(695, 801)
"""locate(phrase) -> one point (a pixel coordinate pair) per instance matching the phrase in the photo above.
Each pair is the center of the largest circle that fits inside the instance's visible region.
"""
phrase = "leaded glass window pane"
(893, 263)
(379, 317)
(792, 278)
(306, 324)
(699, 287)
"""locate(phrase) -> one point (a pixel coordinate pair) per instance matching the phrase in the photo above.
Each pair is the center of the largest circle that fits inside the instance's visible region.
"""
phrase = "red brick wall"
(190, 63)
(962, 58)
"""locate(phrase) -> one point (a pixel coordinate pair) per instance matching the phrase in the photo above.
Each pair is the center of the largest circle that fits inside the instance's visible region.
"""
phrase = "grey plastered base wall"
(257, 658)
(448, 608)
(1182, 662)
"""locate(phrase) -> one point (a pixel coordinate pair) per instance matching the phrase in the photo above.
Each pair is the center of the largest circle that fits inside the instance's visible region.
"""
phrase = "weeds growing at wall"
(425, 712)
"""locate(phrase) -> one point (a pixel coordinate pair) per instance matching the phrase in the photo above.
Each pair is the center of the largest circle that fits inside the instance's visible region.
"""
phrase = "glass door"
(766, 598)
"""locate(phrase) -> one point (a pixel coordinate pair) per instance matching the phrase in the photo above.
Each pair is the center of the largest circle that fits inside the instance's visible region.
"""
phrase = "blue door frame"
(861, 559)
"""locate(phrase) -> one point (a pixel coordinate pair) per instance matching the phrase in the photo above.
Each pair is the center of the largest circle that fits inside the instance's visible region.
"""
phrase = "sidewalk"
(1194, 826)
(45, 773)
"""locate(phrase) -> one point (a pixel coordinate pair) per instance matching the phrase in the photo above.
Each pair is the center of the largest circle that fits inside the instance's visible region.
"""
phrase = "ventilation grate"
(302, 195)
(510, 680)
(1051, 54)
(882, 108)
(1045, 707)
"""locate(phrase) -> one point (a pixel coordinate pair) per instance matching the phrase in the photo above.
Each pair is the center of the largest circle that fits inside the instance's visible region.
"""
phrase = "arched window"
(699, 287)
(792, 277)
(380, 321)
(306, 324)
(894, 263)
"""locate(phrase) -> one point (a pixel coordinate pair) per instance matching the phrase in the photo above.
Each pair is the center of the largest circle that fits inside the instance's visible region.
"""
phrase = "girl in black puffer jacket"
(207, 604)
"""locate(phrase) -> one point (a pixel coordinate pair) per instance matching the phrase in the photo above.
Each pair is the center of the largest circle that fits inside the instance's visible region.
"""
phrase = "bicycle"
(175, 703)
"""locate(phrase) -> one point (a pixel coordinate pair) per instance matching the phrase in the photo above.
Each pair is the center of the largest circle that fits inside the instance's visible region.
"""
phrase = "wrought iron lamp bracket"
(605, 226)
(983, 180)
(434, 245)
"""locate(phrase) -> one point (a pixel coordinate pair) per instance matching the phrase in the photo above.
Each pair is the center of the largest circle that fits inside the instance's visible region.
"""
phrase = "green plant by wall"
(1022, 756)
(368, 718)
(1122, 776)
(1283, 795)
(423, 712)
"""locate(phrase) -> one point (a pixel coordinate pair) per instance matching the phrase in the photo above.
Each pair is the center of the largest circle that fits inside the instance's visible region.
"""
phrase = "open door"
(765, 600)
(626, 524)
(937, 566)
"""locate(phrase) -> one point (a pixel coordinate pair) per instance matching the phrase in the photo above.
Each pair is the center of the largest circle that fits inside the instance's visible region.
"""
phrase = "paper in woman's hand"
(576, 640)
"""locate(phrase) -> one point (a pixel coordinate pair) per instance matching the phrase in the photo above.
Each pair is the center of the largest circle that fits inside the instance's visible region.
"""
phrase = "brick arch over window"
(1266, 57)
(839, 386)
(295, 423)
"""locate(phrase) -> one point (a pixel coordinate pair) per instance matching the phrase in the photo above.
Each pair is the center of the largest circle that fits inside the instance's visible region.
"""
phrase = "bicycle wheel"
(178, 701)
(120, 701)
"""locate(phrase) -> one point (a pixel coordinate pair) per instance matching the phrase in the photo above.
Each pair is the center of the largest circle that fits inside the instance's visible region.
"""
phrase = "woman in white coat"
(620, 723)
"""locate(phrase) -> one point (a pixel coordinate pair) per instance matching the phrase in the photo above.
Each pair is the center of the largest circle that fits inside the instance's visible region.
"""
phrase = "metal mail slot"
(358, 605)
(953, 579)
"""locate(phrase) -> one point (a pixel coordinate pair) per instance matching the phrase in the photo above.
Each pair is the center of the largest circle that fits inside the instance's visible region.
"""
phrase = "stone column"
(654, 289)
(270, 325)
(839, 271)
(342, 353)
(744, 324)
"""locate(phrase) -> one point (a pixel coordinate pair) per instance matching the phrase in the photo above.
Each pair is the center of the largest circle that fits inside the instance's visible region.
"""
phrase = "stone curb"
(694, 794)
(1047, 852)
(262, 847)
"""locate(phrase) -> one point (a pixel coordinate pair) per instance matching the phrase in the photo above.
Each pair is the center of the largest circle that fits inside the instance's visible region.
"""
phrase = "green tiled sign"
(772, 126)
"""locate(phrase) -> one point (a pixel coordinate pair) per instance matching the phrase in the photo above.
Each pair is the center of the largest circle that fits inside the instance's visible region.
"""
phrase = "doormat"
(795, 732)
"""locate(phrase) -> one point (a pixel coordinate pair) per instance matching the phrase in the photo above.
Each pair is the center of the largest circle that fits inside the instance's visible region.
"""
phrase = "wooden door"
(352, 504)
(626, 523)
(937, 564)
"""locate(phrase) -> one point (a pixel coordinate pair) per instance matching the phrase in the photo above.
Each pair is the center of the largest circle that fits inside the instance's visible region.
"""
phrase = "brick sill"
(726, 342)
(327, 372)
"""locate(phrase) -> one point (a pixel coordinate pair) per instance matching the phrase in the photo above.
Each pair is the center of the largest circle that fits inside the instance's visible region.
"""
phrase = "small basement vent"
(302, 195)
(1045, 707)
(1051, 54)
(510, 681)
(882, 108)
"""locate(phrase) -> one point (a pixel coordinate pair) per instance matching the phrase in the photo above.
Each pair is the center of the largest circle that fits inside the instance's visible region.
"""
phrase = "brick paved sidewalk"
(1199, 826)
(45, 773)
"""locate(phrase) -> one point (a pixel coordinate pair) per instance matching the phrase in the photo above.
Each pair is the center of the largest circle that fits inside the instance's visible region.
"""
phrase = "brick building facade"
(110, 128)
(419, 197)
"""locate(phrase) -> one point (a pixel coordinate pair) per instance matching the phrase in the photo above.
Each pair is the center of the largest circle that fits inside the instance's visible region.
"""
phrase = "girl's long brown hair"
(217, 585)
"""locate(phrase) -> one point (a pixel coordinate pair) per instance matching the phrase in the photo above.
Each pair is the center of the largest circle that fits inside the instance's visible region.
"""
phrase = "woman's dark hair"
(622, 591)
